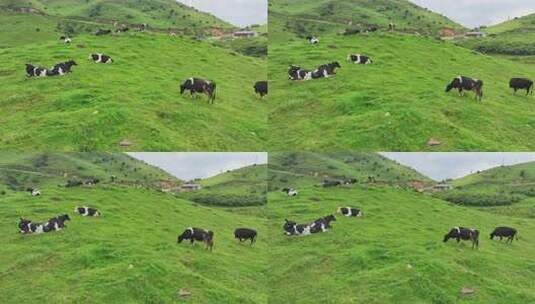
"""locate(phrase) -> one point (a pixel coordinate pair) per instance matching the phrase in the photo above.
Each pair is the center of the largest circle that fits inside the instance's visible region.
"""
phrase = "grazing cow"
(292, 228)
(290, 191)
(521, 84)
(312, 39)
(359, 59)
(245, 234)
(261, 87)
(101, 32)
(501, 232)
(100, 58)
(65, 39)
(198, 85)
(326, 220)
(461, 233)
(466, 83)
(198, 234)
(330, 68)
(348, 211)
(87, 211)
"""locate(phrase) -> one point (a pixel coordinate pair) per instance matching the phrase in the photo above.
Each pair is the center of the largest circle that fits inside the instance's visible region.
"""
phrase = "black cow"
(331, 183)
(198, 85)
(359, 59)
(466, 83)
(351, 31)
(521, 84)
(461, 233)
(501, 232)
(101, 32)
(87, 211)
(292, 228)
(326, 220)
(245, 234)
(197, 234)
(261, 87)
(348, 211)
(100, 58)
(330, 68)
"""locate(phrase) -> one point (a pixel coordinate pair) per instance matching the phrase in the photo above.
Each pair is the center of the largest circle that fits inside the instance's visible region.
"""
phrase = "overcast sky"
(187, 166)
(440, 166)
(473, 13)
(238, 12)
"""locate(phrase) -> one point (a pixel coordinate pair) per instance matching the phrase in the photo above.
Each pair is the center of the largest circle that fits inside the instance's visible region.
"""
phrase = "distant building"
(442, 186)
(244, 34)
(188, 187)
(475, 34)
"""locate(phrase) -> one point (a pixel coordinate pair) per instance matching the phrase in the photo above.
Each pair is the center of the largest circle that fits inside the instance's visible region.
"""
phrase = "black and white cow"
(34, 71)
(64, 67)
(330, 68)
(34, 192)
(27, 226)
(350, 181)
(290, 191)
(100, 58)
(198, 85)
(245, 234)
(312, 39)
(292, 228)
(65, 39)
(101, 32)
(261, 88)
(466, 83)
(87, 211)
(58, 222)
(507, 232)
(197, 234)
(326, 220)
(296, 73)
(521, 84)
(349, 211)
(123, 29)
(465, 234)
(359, 59)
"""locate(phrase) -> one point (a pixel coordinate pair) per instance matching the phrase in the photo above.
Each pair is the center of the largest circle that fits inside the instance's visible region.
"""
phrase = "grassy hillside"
(500, 186)
(241, 187)
(395, 253)
(136, 98)
(305, 17)
(130, 254)
(398, 103)
(294, 168)
(513, 37)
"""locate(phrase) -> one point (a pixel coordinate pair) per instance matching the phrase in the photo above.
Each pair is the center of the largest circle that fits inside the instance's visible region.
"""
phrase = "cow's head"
(71, 62)
(24, 225)
(64, 217)
(185, 235)
(289, 226)
(330, 218)
(450, 235)
(335, 64)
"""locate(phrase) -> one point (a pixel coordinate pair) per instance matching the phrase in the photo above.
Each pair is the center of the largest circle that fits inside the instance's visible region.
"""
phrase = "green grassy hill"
(305, 17)
(395, 253)
(135, 98)
(507, 189)
(241, 187)
(130, 254)
(398, 103)
(514, 37)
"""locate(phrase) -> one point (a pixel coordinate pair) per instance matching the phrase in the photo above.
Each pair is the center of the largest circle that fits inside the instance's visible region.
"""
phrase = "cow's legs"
(461, 92)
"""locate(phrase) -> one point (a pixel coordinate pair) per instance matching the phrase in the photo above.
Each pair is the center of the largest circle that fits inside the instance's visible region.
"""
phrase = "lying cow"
(58, 222)
(54, 224)
(198, 85)
(348, 211)
(261, 88)
(292, 228)
(101, 58)
(359, 59)
(64, 67)
(290, 191)
(312, 40)
(521, 84)
(65, 39)
(296, 73)
(331, 183)
(326, 220)
(34, 192)
(197, 234)
(461, 233)
(245, 234)
(87, 211)
(33, 71)
(466, 83)
(501, 232)
(330, 68)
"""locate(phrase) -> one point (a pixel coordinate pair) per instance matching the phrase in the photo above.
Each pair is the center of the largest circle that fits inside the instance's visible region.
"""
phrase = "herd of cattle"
(323, 224)
(57, 223)
(461, 83)
(193, 85)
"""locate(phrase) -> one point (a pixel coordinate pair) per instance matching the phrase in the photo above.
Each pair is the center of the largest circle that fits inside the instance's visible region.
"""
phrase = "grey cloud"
(237, 12)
